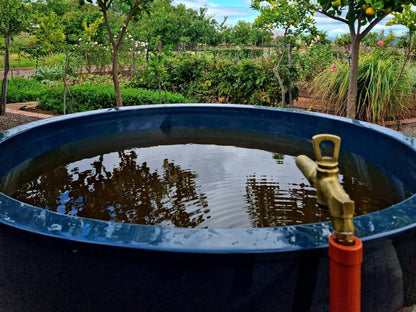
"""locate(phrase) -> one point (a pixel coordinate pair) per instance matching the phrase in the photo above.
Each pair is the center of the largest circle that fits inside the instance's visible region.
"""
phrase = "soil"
(22, 113)
(10, 120)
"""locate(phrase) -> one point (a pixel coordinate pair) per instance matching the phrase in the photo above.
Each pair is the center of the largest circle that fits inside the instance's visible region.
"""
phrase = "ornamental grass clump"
(383, 94)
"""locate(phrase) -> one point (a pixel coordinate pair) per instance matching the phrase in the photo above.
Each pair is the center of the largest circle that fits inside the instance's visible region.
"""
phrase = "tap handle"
(326, 161)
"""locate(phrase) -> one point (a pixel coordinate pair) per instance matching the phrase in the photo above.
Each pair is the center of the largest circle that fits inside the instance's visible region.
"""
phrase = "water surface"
(206, 180)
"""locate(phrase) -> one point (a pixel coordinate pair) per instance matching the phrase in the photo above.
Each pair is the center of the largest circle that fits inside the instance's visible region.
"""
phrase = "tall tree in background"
(131, 10)
(14, 18)
(361, 17)
(49, 31)
(406, 18)
(290, 17)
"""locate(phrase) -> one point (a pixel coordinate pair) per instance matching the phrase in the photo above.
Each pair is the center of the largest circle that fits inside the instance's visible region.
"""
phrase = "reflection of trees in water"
(269, 205)
(279, 158)
(130, 193)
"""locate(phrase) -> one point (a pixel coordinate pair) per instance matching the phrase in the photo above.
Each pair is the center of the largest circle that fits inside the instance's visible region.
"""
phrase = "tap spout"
(323, 175)
(308, 168)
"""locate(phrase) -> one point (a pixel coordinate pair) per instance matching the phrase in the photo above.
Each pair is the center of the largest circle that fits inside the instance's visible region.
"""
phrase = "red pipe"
(345, 276)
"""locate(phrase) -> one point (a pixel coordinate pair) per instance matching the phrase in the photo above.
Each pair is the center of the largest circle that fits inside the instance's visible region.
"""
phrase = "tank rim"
(389, 221)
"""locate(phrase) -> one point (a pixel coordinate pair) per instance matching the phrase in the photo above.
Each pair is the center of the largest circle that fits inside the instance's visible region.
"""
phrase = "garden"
(158, 53)
(139, 202)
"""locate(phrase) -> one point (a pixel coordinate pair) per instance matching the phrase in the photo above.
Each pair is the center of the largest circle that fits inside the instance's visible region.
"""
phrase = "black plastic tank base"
(56, 262)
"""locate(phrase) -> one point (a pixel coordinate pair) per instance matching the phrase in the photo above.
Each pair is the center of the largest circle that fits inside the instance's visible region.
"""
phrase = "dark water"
(245, 180)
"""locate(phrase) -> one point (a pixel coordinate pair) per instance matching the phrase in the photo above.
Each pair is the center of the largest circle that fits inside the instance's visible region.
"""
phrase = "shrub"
(312, 61)
(379, 96)
(91, 97)
(23, 90)
(46, 75)
(202, 79)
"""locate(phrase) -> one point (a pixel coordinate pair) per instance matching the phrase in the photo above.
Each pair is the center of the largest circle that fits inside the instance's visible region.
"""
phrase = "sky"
(240, 10)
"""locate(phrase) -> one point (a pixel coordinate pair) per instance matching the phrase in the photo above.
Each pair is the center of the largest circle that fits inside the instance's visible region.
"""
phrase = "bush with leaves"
(91, 97)
(48, 75)
(24, 90)
(380, 97)
(313, 60)
(238, 53)
(203, 79)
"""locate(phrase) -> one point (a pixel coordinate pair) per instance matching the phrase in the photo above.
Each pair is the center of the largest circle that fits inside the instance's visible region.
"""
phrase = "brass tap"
(323, 175)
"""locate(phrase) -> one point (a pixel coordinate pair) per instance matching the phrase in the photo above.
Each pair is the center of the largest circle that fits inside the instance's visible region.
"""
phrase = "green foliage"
(19, 61)
(313, 60)
(406, 18)
(238, 53)
(365, 11)
(90, 97)
(23, 90)
(343, 40)
(247, 33)
(203, 79)
(47, 75)
(14, 16)
(50, 31)
(370, 40)
(378, 96)
(292, 17)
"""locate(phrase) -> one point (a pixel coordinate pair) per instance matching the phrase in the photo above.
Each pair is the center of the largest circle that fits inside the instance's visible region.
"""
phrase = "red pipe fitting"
(345, 276)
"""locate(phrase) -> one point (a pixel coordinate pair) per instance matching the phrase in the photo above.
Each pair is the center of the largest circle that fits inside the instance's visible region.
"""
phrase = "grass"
(17, 61)
(379, 97)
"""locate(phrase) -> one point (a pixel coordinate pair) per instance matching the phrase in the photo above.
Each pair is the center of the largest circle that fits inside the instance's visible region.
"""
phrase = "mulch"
(11, 119)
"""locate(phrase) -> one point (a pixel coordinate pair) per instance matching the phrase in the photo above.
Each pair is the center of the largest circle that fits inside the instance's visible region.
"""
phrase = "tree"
(49, 31)
(406, 18)
(361, 17)
(203, 28)
(14, 18)
(241, 33)
(129, 9)
(74, 22)
(171, 24)
(291, 18)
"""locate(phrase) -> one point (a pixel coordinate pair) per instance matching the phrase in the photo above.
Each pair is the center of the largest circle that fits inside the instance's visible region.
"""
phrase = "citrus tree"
(361, 17)
(405, 18)
(293, 18)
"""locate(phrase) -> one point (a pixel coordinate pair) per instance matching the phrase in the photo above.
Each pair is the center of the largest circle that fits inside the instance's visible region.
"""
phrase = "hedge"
(206, 80)
(24, 90)
(86, 97)
(91, 97)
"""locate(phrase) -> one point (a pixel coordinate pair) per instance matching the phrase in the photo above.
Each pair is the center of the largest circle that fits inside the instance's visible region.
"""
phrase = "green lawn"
(16, 62)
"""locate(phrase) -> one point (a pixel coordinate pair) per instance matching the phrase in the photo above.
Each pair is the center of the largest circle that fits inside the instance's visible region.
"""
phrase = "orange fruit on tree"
(370, 11)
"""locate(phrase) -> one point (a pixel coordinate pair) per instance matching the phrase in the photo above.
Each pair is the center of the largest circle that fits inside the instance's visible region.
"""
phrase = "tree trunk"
(5, 78)
(290, 78)
(133, 65)
(276, 71)
(160, 91)
(352, 84)
(282, 87)
(66, 87)
(406, 58)
(116, 82)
